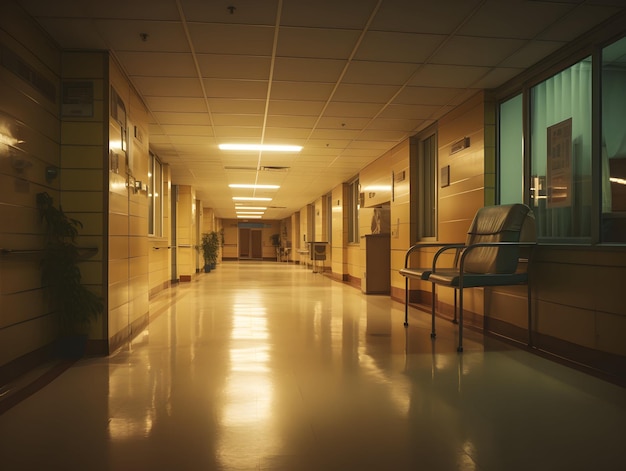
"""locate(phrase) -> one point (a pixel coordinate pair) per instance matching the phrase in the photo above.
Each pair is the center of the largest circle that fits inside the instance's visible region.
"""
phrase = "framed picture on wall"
(559, 165)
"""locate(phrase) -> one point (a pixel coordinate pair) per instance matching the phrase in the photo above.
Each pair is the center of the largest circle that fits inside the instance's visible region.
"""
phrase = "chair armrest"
(457, 247)
(418, 246)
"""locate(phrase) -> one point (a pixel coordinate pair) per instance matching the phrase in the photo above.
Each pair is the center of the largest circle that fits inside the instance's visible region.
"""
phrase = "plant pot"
(207, 268)
(72, 346)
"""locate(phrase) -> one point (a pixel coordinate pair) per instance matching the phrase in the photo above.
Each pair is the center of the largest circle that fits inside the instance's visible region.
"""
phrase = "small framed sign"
(77, 99)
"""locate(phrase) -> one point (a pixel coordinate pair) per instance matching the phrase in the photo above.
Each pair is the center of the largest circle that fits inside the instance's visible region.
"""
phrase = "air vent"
(274, 169)
(23, 70)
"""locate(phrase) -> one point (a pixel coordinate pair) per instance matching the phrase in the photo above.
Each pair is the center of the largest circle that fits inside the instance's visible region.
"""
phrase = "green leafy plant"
(210, 247)
(275, 238)
(60, 273)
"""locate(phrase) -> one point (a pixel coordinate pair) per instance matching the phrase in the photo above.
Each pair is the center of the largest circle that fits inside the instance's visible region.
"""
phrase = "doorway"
(250, 244)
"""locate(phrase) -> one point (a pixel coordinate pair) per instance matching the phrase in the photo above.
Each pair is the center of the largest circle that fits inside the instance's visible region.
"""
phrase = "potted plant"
(275, 238)
(75, 305)
(210, 247)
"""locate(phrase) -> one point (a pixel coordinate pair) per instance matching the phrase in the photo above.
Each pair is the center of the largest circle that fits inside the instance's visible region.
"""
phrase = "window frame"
(576, 52)
(155, 196)
(354, 191)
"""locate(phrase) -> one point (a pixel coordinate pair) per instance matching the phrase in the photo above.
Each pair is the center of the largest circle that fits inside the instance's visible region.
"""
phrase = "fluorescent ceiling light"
(256, 147)
(259, 208)
(250, 212)
(265, 187)
(248, 217)
(244, 198)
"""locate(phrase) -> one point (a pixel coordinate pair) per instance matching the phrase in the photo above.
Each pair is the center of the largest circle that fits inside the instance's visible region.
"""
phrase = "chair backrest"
(506, 223)
(319, 252)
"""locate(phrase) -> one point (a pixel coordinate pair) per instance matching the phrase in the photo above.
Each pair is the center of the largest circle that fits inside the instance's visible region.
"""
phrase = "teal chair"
(497, 240)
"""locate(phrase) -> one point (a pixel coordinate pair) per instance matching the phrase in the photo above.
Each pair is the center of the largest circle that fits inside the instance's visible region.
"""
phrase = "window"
(155, 199)
(511, 150)
(560, 154)
(613, 151)
(427, 187)
(353, 211)
(570, 129)
(424, 179)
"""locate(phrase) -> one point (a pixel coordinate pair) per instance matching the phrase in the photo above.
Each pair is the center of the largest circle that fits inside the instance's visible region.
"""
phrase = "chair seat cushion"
(416, 273)
(472, 280)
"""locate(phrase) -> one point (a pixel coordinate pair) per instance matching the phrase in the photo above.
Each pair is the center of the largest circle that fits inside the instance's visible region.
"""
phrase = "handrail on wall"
(88, 250)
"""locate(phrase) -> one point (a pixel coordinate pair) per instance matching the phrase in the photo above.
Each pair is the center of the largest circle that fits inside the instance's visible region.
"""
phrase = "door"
(244, 242)
(256, 244)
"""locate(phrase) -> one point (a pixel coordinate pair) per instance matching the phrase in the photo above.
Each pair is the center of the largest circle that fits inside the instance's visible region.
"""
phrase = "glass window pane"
(353, 211)
(428, 186)
(511, 151)
(613, 155)
(151, 194)
(560, 134)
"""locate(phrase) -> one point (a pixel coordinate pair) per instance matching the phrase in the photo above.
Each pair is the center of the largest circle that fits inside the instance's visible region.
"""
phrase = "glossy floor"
(268, 366)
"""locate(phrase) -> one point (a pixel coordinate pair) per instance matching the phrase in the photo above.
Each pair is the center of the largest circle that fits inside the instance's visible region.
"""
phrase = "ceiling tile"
(168, 86)
(519, 19)
(364, 93)
(316, 43)
(440, 17)
(452, 76)
(472, 51)
(397, 47)
(240, 89)
(245, 11)
(309, 91)
(237, 106)
(211, 38)
(328, 13)
(378, 73)
(221, 66)
(176, 104)
(184, 118)
(425, 96)
(578, 22)
(308, 70)
(158, 64)
(126, 35)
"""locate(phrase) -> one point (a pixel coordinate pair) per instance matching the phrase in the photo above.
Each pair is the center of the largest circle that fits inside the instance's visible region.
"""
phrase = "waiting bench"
(498, 238)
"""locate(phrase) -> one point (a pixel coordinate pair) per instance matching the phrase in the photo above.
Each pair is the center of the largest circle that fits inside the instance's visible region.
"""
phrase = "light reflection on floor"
(268, 366)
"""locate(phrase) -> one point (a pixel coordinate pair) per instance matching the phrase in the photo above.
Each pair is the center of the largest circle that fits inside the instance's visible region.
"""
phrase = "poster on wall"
(559, 165)
(77, 99)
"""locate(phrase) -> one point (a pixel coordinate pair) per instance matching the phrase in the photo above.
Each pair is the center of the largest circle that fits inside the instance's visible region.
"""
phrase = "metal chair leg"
(406, 302)
(460, 347)
(433, 334)
(455, 321)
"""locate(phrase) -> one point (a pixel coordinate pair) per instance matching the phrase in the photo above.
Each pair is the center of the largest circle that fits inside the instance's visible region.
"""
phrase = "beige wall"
(82, 173)
(128, 280)
(186, 227)
(26, 322)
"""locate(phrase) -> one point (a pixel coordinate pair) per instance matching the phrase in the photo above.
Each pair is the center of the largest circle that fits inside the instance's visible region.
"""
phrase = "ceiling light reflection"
(256, 187)
(250, 198)
(260, 147)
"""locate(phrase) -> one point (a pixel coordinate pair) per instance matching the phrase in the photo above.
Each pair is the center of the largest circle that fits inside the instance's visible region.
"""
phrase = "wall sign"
(77, 99)
(559, 165)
